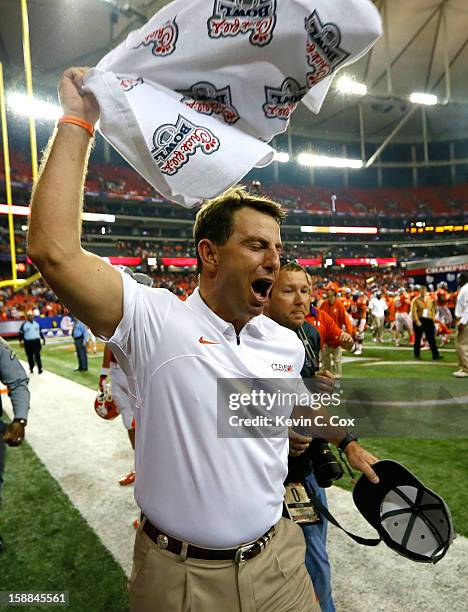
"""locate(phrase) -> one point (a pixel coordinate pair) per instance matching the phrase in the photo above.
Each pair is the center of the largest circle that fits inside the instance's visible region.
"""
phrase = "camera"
(325, 465)
(319, 459)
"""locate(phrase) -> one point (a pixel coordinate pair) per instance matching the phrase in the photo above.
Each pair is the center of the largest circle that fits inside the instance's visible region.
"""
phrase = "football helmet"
(104, 405)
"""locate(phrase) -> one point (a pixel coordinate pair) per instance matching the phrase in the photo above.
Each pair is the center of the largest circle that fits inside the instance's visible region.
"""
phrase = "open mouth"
(261, 288)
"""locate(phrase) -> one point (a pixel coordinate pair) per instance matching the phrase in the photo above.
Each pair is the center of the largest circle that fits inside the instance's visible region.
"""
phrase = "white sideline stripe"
(86, 455)
(410, 362)
(356, 359)
(382, 347)
(430, 403)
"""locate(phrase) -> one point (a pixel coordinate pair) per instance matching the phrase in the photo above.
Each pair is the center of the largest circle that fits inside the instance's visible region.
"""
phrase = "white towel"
(191, 98)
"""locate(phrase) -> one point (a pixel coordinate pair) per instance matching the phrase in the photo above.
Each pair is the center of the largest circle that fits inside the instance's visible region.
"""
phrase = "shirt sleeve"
(136, 337)
(332, 331)
(12, 375)
(461, 307)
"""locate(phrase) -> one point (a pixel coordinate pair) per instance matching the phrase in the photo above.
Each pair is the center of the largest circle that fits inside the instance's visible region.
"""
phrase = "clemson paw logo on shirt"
(175, 144)
(282, 367)
(281, 101)
(323, 50)
(237, 17)
(162, 40)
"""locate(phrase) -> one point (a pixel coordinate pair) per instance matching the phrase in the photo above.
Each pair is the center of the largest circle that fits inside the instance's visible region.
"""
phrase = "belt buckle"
(239, 558)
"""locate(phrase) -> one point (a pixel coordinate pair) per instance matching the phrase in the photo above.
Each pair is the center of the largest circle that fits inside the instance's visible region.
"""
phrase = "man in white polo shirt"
(212, 537)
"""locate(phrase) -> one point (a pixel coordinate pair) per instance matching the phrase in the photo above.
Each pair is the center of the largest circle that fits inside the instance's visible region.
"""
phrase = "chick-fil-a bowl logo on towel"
(174, 144)
(162, 39)
(236, 17)
(323, 50)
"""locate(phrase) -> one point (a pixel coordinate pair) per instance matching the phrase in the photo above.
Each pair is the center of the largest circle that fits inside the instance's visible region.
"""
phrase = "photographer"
(288, 305)
(310, 460)
(12, 375)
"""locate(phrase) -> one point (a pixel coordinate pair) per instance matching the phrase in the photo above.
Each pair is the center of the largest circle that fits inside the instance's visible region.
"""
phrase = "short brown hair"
(293, 266)
(215, 219)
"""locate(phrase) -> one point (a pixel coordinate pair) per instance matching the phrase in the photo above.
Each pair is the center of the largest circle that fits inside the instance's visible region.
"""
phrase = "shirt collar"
(255, 327)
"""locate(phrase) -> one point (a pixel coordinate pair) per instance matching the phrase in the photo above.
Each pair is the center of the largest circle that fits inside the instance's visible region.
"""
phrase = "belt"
(239, 554)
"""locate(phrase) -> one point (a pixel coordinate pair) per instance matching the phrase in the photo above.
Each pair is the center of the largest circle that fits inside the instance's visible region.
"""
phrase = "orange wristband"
(77, 121)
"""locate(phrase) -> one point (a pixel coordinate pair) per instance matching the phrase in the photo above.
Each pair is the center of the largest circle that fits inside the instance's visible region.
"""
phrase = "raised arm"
(90, 287)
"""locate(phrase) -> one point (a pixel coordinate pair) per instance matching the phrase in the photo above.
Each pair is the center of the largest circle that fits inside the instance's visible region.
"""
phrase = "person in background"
(119, 385)
(443, 313)
(333, 354)
(391, 314)
(377, 308)
(30, 336)
(288, 305)
(423, 315)
(358, 310)
(402, 316)
(461, 313)
(80, 337)
(12, 375)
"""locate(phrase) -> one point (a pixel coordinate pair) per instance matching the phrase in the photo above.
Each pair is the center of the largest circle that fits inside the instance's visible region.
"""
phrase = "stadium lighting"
(323, 161)
(423, 98)
(346, 85)
(281, 157)
(23, 211)
(325, 229)
(87, 216)
(20, 104)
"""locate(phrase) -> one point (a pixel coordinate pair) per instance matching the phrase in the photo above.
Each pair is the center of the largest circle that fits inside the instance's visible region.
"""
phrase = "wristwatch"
(22, 421)
(349, 437)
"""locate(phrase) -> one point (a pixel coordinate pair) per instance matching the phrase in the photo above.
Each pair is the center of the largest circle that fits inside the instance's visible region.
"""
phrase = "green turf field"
(48, 544)
(94, 579)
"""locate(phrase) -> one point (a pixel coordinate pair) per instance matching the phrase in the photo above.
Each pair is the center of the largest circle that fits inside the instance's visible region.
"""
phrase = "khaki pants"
(461, 344)
(276, 580)
(333, 359)
(378, 328)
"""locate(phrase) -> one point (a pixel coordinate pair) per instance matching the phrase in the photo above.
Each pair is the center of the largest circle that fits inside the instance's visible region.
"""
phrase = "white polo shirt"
(461, 307)
(214, 492)
(378, 307)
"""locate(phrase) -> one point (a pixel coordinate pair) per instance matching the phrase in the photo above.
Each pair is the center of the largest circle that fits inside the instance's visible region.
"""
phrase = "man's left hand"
(14, 434)
(361, 460)
(324, 382)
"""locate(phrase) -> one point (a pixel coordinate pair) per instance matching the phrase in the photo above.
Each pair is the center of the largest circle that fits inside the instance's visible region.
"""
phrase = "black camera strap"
(325, 513)
(312, 360)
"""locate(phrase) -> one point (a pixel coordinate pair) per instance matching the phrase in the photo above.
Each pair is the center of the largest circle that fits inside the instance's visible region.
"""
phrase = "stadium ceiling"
(424, 49)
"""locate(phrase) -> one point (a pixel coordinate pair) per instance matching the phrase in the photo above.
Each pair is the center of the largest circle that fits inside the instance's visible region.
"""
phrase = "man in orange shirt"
(332, 355)
(391, 313)
(358, 311)
(347, 299)
(329, 331)
(451, 302)
(442, 307)
(402, 317)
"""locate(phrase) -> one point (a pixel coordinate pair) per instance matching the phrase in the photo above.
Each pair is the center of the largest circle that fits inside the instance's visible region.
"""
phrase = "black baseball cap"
(410, 518)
